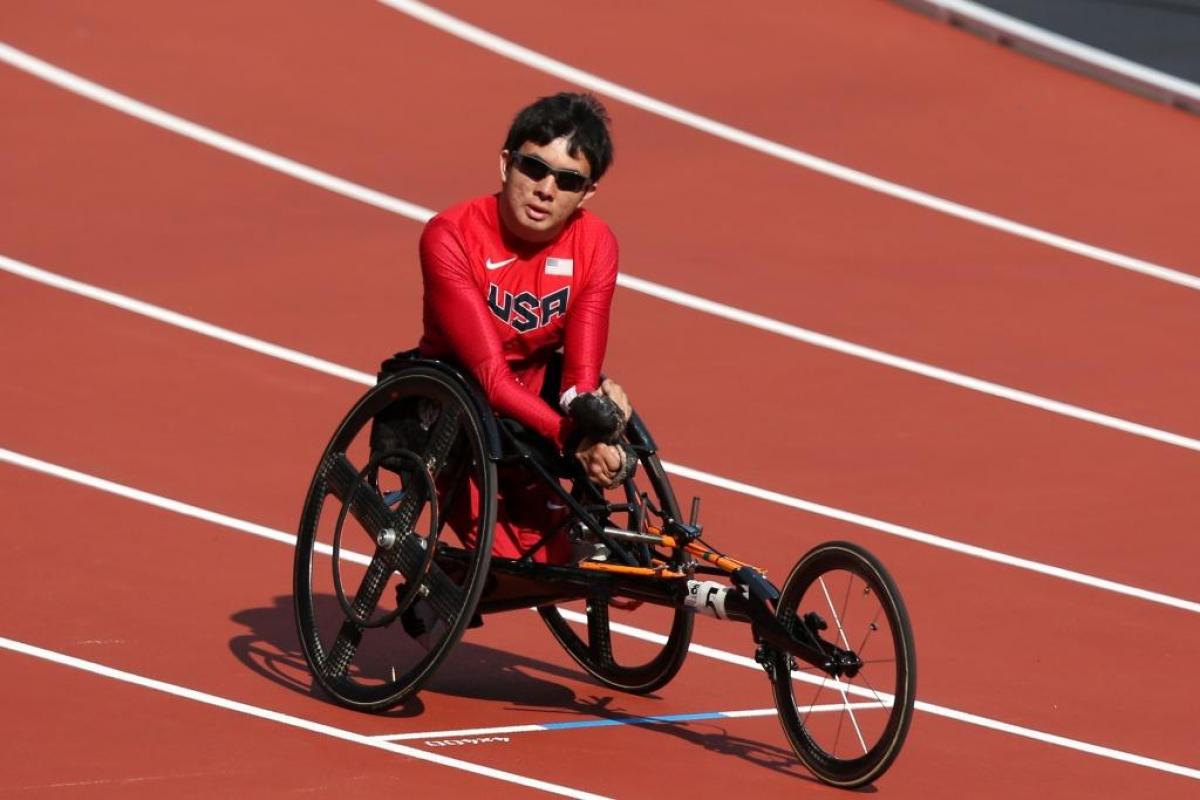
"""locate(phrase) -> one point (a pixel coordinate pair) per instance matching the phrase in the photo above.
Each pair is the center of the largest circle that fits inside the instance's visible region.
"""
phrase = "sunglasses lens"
(535, 169)
(570, 181)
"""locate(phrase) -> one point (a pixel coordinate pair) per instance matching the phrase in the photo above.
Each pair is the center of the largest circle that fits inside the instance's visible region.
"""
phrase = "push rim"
(650, 668)
(374, 668)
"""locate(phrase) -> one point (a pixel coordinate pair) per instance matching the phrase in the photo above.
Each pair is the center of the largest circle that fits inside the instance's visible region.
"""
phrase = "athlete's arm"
(583, 355)
(453, 299)
(586, 334)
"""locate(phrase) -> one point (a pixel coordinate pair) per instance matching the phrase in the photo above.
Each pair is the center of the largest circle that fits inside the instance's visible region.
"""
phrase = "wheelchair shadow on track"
(270, 649)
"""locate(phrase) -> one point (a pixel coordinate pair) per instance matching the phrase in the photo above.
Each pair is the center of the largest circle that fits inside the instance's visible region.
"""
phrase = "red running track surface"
(348, 88)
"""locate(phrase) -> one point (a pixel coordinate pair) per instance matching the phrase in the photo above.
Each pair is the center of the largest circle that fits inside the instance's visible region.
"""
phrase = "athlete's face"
(533, 203)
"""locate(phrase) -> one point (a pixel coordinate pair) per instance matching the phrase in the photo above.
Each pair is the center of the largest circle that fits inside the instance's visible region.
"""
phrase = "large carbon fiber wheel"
(632, 664)
(847, 731)
(370, 503)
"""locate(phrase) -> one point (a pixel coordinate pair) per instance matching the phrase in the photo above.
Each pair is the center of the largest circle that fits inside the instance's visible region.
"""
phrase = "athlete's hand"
(601, 462)
(614, 392)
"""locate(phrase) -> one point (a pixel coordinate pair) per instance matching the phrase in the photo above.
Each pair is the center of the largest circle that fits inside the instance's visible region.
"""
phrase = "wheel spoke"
(337, 662)
(837, 737)
(836, 619)
(373, 513)
(370, 590)
(442, 434)
(853, 719)
(813, 703)
(846, 599)
(862, 676)
(343, 480)
(444, 596)
(872, 689)
(599, 635)
(874, 626)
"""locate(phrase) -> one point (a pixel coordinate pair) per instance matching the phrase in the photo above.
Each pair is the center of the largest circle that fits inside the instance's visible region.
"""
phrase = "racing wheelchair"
(835, 641)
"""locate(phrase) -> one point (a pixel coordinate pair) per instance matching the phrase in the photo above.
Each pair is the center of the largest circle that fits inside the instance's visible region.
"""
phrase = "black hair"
(581, 118)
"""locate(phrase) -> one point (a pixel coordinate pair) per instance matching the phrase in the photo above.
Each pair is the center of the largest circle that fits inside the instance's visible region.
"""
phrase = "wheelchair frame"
(656, 561)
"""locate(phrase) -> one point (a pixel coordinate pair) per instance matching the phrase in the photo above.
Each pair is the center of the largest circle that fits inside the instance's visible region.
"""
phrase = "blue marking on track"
(606, 723)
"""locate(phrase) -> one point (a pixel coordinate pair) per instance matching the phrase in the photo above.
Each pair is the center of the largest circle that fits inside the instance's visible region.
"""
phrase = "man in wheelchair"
(516, 278)
(518, 287)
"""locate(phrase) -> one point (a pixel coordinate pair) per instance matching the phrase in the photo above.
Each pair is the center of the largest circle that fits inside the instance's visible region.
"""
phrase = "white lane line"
(125, 104)
(614, 722)
(199, 133)
(920, 705)
(659, 291)
(542, 63)
(930, 539)
(366, 379)
(165, 503)
(287, 719)
(1062, 50)
(169, 317)
(191, 130)
(883, 358)
(1060, 741)
(158, 501)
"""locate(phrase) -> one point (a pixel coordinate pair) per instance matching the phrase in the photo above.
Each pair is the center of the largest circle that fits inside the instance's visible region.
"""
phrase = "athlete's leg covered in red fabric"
(527, 510)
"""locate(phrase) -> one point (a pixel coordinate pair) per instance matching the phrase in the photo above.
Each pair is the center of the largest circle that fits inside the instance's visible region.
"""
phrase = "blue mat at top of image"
(1161, 34)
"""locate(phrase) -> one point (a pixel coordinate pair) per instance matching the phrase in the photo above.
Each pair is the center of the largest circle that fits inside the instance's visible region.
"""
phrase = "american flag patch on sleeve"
(560, 266)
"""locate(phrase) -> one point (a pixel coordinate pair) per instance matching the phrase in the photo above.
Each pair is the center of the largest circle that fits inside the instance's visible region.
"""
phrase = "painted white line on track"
(930, 539)
(199, 133)
(905, 364)
(542, 63)
(495, 731)
(366, 379)
(125, 104)
(1060, 741)
(47, 468)
(920, 705)
(165, 503)
(615, 722)
(287, 719)
(169, 317)
(341, 186)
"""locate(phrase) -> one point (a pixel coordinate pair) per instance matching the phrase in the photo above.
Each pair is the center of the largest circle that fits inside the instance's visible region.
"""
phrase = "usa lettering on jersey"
(526, 311)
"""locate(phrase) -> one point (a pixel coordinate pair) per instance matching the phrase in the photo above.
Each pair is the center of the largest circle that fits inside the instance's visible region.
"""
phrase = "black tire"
(416, 429)
(844, 742)
(632, 666)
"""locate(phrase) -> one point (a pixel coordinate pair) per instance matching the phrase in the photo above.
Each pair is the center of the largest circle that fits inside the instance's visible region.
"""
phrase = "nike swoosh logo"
(498, 264)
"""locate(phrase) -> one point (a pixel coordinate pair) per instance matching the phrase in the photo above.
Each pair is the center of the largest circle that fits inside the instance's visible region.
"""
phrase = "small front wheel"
(846, 730)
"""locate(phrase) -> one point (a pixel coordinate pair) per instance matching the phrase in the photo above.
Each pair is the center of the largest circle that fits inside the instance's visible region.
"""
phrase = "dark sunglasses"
(535, 169)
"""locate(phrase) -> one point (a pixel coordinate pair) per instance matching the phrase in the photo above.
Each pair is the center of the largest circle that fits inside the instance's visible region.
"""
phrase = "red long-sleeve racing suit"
(501, 307)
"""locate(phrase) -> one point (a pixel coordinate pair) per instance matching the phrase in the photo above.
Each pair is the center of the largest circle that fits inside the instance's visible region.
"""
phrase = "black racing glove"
(599, 419)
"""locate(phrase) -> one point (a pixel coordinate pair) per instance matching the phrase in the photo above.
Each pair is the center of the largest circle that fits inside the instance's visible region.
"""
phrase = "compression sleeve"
(586, 334)
(453, 301)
